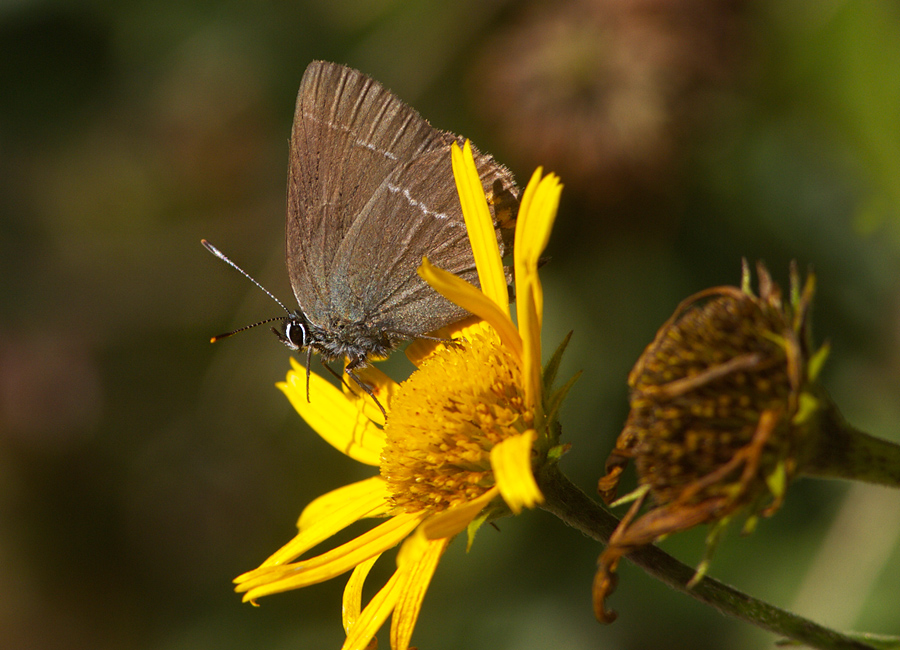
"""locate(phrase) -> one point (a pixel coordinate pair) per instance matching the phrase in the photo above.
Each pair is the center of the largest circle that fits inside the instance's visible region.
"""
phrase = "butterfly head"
(294, 332)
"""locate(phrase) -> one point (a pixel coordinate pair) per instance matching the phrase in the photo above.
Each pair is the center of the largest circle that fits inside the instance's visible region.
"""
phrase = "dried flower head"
(723, 407)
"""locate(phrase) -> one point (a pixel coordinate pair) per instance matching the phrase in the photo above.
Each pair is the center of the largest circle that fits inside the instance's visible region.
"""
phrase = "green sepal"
(746, 278)
(807, 406)
(552, 367)
(634, 495)
(716, 531)
(777, 481)
(557, 451)
(475, 524)
(557, 397)
(816, 361)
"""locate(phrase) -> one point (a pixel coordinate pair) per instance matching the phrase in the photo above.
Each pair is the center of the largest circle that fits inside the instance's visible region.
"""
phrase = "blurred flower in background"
(610, 91)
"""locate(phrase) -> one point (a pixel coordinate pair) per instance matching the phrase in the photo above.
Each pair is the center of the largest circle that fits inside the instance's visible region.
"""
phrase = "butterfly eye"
(294, 333)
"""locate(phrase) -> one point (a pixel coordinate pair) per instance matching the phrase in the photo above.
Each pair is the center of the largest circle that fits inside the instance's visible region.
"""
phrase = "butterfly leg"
(358, 362)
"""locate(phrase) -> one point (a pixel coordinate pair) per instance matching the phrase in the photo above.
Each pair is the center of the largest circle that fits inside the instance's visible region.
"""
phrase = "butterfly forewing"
(349, 135)
(426, 220)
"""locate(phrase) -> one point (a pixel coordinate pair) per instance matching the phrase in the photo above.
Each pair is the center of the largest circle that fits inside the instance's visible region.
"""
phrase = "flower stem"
(574, 507)
(840, 451)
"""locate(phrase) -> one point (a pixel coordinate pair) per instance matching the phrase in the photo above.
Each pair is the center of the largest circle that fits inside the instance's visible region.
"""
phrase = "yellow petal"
(530, 331)
(537, 213)
(525, 217)
(370, 492)
(341, 423)
(448, 523)
(480, 226)
(540, 203)
(511, 462)
(375, 614)
(351, 605)
(469, 297)
(330, 514)
(331, 522)
(274, 579)
(417, 561)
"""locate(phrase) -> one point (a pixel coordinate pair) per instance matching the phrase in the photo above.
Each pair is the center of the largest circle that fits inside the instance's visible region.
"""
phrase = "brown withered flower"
(723, 404)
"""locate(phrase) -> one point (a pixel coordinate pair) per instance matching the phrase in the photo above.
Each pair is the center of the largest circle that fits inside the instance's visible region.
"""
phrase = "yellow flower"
(462, 439)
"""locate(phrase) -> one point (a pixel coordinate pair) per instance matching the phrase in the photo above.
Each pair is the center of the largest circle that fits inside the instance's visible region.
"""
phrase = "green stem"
(840, 451)
(574, 507)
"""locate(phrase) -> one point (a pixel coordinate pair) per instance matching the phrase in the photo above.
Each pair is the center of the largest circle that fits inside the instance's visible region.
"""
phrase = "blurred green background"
(142, 468)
